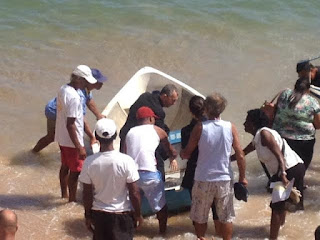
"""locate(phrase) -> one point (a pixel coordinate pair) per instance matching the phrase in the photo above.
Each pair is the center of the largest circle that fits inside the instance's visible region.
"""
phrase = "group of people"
(113, 181)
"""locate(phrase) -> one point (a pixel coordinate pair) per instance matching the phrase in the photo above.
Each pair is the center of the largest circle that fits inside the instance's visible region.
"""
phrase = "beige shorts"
(204, 193)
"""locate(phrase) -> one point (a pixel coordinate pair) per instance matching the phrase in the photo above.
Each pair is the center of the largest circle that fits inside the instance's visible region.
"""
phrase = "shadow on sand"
(36, 202)
(43, 159)
(77, 229)
(251, 232)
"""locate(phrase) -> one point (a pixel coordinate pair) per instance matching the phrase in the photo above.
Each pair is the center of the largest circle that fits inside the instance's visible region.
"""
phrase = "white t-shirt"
(109, 172)
(141, 143)
(68, 105)
(268, 158)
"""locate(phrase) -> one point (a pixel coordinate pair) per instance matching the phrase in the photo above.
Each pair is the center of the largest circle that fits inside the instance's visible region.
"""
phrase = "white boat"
(315, 91)
(177, 116)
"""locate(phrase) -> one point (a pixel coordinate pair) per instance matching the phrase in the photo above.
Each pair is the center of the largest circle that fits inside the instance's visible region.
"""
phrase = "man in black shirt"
(156, 101)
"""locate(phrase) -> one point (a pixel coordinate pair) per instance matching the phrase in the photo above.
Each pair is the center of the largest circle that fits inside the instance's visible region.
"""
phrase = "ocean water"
(246, 50)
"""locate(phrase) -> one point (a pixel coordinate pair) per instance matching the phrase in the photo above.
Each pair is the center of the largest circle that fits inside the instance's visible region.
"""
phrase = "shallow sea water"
(247, 50)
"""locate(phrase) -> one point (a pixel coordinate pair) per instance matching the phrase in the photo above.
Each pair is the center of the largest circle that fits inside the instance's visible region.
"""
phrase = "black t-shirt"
(185, 135)
(151, 100)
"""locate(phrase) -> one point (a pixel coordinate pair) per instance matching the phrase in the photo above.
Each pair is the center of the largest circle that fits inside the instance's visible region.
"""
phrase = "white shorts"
(153, 188)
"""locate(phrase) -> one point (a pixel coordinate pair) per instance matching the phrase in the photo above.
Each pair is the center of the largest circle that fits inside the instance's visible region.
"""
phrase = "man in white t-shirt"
(69, 130)
(141, 143)
(109, 188)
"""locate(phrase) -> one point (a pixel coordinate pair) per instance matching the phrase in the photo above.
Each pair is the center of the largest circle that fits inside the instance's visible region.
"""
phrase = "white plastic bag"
(280, 192)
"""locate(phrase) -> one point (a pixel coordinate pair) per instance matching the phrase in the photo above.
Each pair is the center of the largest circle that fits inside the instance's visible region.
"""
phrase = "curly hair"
(258, 118)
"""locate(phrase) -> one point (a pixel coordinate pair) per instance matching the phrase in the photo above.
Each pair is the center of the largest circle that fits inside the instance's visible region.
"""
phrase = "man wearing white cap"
(86, 100)
(69, 130)
(109, 180)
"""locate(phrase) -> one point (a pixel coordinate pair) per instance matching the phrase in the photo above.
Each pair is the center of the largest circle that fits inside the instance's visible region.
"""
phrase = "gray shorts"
(203, 195)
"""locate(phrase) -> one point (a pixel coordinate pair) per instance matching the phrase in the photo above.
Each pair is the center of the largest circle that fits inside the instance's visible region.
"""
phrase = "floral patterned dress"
(296, 123)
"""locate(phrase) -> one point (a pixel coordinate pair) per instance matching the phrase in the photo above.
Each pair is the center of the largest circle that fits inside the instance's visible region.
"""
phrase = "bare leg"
(64, 176)
(218, 227)
(42, 143)
(201, 229)
(277, 217)
(162, 217)
(73, 184)
(283, 218)
(47, 139)
(226, 229)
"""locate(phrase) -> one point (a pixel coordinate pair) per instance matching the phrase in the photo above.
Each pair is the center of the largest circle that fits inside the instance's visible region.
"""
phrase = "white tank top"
(268, 158)
(141, 143)
(214, 152)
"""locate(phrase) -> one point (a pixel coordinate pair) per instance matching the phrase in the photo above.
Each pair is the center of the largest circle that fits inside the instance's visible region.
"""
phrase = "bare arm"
(89, 132)
(193, 141)
(87, 204)
(268, 140)
(248, 149)
(239, 156)
(93, 108)
(73, 135)
(172, 153)
(124, 146)
(164, 140)
(134, 195)
(316, 121)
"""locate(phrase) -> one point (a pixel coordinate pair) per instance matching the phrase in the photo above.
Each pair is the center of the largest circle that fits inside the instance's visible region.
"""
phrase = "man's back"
(141, 143)
(215, 146)
(109, 172)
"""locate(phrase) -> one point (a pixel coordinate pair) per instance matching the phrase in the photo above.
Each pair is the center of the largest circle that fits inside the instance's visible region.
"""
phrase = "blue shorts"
(152, 186)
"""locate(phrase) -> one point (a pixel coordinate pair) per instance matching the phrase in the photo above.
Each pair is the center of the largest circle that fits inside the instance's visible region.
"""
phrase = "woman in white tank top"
(281, 161)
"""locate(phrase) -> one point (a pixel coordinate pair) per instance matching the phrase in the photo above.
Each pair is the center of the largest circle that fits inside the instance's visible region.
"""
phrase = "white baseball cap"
(105, 128)
(85, 72)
